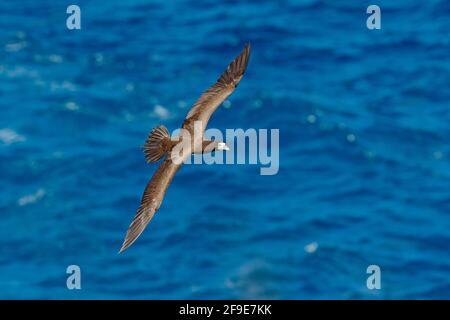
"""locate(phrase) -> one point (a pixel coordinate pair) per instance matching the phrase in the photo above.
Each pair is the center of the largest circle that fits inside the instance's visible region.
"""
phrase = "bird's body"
(191, 140)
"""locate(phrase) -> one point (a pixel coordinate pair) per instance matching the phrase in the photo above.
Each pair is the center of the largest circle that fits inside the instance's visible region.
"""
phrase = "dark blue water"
(364, 150)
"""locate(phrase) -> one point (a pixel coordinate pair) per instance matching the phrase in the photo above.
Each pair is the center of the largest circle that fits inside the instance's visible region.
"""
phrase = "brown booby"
(159, 144)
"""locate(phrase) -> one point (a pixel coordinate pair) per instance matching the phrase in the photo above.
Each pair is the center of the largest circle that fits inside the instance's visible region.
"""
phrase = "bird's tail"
(157, 144)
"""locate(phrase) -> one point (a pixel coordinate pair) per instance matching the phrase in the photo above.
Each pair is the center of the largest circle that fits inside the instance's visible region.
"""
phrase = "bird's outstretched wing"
(151, 200)
(201, 111)
(205, 106)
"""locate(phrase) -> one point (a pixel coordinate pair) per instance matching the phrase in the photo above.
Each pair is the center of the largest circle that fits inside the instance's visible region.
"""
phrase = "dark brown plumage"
(159, 144)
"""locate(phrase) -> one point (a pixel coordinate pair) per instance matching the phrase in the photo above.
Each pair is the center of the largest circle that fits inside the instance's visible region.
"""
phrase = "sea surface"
(364, 176)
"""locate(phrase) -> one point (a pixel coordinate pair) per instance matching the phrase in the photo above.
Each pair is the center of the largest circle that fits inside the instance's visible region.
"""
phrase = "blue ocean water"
(364, 150)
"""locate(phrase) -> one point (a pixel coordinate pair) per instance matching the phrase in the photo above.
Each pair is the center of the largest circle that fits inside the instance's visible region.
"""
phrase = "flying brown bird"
(159, 144)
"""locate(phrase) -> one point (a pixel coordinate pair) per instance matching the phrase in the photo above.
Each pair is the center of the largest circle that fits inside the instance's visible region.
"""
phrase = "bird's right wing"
(151, 200)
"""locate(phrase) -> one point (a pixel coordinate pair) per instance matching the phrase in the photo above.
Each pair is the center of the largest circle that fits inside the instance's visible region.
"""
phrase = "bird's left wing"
(225, 85)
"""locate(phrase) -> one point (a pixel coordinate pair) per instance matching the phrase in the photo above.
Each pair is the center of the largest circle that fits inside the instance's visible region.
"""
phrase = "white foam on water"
(15, 47)
(72, 106)
(311, 247)
(54, 58)
(351, 138)
(9, 136)
(31, 198)
(161, 112)
(311, 118)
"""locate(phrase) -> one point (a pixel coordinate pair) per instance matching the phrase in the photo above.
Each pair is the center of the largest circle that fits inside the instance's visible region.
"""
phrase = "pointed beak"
(222, 146)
